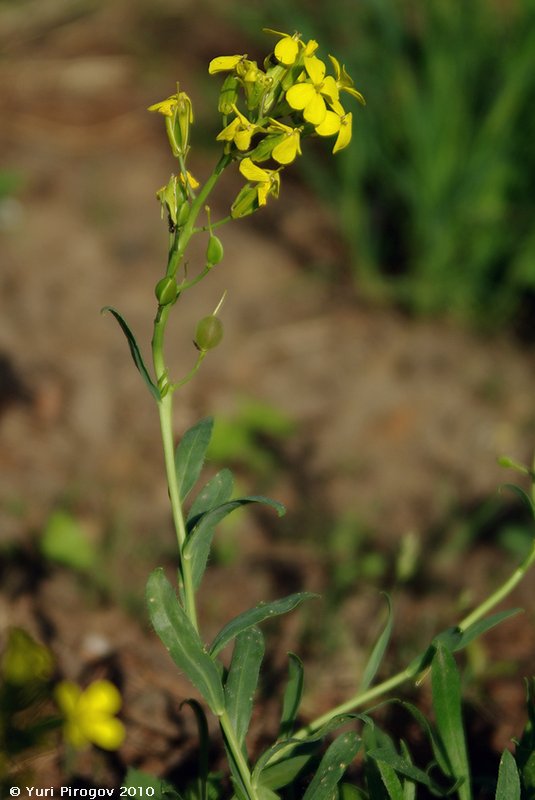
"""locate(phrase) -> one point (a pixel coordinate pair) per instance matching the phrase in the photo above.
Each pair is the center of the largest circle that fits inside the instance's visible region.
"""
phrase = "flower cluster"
(266, 112)
(290, 98)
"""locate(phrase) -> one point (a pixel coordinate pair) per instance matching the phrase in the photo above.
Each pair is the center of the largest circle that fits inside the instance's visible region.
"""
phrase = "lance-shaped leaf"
(292, 695)
(197, 545)
(255, 615)
(400, 765)
(508, 787)
(484, 625)
(379, 650)
(182, 640)
(135, 352)
(242, 679)
(446, 688)
(332, 766)
(190, 454)
(216, 492)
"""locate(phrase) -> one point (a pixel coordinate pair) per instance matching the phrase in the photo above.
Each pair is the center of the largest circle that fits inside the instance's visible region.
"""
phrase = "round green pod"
(166, 291)
(209, 332)
(214, 251)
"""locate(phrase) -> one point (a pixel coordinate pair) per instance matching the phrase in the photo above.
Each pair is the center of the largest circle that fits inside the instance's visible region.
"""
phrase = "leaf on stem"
(446, 688)
(217, 491)
(255, 615)
(182, 640)
(190, 454)
(242, 679)
(199, 540)
(333, 766)
(135, 352)
(292, 695)
(508, 787)
(379, 650)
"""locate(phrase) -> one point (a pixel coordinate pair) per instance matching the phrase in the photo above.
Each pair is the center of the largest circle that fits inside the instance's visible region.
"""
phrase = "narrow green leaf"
(190, 454)
(283, 773)
(255, 615)
(390, 780)
(436, 743)
(135, 352)
(379, 650)
(484, 625)
(521, 493)
(446, 689)
(217, 491)
(401, 765)
(292, 695)
(182, 640)
(332, 766)
(197, 546)
(508, 787)
(409, 786)
(242, 679)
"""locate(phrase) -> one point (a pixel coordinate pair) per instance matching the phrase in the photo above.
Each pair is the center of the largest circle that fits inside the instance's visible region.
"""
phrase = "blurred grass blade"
(292, 695)
(135, 352)
(379, 650)
(242, 679)
(198, 542)
(140, 781)
(255, 615)
(508, 787)
(332, 766)
(446, 688)
(217, 491)
(182, 640)
(190, 454)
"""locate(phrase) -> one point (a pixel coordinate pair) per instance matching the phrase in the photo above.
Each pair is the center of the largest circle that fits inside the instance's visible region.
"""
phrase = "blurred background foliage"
(435, 196)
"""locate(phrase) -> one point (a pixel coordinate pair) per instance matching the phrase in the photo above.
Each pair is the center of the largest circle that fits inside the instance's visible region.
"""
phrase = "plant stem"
(165, 404)
(237, 753)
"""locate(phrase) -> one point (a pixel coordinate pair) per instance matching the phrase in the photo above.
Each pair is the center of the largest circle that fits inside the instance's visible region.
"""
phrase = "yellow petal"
(224, 63)
(243, 139)
(330, 125)
(253, 172)
(286, 51)
(329, 89)
(101, 697)
(74, 735)
(106, 732)
(344, 136)
(315, 110)
(315, 69)
(299, 95)
(67, 695)
(287, 149)
(166, 107)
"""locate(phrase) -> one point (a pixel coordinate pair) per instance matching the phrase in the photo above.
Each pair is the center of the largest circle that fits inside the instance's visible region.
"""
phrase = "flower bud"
(245, 203)
(228, 95)
(209, 333)
(177, 124)
(166, 291)
(214, 251)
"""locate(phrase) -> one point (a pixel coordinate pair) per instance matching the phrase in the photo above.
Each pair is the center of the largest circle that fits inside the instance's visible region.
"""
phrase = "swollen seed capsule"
(166, 291)
(209, 333)
(214, 251)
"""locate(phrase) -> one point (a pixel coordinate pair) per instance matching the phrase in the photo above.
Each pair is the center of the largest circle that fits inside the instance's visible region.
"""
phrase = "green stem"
(412, 670)
(237, 753)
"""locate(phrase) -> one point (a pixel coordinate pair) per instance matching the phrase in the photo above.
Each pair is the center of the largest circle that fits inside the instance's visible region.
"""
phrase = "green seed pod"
(209, 333)
(214, 251)
(166, 291)
(183, 214)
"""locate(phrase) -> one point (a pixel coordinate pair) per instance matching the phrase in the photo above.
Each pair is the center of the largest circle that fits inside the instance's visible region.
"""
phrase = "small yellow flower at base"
(89, 714)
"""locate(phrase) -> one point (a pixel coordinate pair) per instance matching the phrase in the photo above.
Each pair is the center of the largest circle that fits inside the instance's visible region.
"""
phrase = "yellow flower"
(344, 81)
(337, 121)
(288, 145)
(287, 49)
(225, 63)
(240, 131)
(178, 112)
(267, 180)
(89, 714)
(309, 96)
(25, 660)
